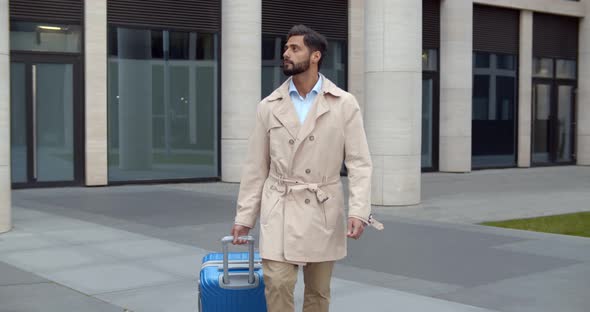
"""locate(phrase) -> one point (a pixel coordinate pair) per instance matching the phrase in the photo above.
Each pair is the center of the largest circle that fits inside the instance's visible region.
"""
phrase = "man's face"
(296, 57)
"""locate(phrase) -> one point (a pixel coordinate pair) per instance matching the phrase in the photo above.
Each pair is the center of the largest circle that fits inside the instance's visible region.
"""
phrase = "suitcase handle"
(225, 242)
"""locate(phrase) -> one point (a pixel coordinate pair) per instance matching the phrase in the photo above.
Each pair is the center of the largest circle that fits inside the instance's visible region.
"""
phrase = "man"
(291, 177)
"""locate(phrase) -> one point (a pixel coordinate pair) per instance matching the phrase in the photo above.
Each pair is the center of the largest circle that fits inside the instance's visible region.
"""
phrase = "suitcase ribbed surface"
(217, 299)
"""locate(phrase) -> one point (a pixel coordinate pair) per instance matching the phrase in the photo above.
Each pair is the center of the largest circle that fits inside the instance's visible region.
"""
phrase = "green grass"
(577, 224)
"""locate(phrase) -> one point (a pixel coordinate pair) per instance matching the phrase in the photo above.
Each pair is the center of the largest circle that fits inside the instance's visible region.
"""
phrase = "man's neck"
(305, 81)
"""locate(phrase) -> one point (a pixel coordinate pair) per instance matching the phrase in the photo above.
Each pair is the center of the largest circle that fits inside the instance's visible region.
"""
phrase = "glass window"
(565, 69)
(333, 64)
(429, 60)
(162, 105)
(542, 67)
(481, 60)
(45, 37)
(507, 62)
(427, 121)
(494, 105)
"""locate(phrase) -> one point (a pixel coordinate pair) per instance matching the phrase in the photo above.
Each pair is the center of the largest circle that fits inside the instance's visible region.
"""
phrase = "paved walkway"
(139, 247)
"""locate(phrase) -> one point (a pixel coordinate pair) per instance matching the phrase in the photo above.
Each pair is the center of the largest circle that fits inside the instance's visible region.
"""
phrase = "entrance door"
(553, 122)
(45, 121)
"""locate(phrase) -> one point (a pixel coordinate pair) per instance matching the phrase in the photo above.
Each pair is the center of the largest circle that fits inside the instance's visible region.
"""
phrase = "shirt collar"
(317, 88)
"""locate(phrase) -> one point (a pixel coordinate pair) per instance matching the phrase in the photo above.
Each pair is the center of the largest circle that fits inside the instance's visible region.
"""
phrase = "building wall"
(95, 78)
(5, 198)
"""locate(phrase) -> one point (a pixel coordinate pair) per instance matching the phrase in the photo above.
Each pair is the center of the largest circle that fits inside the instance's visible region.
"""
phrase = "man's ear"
(316, 56)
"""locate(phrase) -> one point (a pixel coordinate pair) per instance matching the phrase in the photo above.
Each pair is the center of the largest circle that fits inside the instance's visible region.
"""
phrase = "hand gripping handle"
(224, 242)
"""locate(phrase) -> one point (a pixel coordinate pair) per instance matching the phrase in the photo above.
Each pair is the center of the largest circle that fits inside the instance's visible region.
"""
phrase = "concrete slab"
(563, 289)
(175, 297)
(54, 258)
(14, 276)
(99, 279)
(49, 297)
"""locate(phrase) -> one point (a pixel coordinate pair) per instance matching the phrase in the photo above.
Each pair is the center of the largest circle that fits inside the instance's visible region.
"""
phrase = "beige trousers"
(280, 279)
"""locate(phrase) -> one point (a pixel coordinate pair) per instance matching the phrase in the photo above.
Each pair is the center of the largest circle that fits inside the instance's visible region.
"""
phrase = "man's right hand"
(237, 231)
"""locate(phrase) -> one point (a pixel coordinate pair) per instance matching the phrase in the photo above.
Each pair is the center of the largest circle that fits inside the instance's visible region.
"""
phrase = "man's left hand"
(355, 228)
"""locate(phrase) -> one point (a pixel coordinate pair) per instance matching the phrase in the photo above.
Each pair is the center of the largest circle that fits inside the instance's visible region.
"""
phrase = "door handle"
(34, 125)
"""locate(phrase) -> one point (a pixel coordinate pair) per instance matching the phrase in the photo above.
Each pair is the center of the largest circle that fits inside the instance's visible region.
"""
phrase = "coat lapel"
(284, 110)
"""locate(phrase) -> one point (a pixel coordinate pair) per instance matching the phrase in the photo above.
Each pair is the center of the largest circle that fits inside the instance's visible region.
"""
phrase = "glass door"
(553, 122)
(44, 111)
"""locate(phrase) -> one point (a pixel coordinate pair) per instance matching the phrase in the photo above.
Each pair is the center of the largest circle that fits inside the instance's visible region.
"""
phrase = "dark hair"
(312, 39)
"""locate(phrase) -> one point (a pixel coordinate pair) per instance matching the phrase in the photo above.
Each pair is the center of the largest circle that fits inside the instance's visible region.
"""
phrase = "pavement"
(138, 248)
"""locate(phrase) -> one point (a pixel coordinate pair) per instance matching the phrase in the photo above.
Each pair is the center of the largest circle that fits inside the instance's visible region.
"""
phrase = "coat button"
(308, 171)
(307, 200)
(311, 138)
(291, 141)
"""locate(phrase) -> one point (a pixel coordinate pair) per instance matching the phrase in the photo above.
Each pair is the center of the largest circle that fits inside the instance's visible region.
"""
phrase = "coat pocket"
(268, 205)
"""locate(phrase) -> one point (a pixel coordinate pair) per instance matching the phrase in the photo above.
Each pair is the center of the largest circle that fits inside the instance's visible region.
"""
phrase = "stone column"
(356, 50)
(525, 76)
(583, 112)
(241, 67)
(393, 98)
(456, 49)
(95, 80)
(5, 199)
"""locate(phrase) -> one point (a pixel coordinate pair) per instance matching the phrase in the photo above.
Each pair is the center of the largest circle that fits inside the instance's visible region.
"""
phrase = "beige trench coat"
(291, 176)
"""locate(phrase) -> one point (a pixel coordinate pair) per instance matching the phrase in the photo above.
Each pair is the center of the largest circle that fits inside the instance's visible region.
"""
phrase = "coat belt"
(287, 185)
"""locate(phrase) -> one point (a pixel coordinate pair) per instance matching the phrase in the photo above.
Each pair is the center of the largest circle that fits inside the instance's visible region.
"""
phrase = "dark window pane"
(481, 60)
(268, 48)
(542, 67)
(565, 69)
(507, 62)
(481, 96)
(179, 45)
(205, 46)
(157, 44)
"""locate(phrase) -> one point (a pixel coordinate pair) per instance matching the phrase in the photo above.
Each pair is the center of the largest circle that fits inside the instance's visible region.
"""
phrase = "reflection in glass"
(162, 112)
(427, 119)
(565, 105)
(429, 60)
(45, 37)
(542, 67)
(18, 129)
(565, 69)
(333, 65)
(541, 122)
(55, 122)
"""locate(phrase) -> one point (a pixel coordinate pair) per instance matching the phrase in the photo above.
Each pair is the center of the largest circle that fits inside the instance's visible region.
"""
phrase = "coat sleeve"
(254, 174)
(358, 163)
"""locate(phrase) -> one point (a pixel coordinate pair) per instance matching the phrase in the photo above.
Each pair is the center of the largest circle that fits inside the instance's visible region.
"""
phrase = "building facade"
(109, 92)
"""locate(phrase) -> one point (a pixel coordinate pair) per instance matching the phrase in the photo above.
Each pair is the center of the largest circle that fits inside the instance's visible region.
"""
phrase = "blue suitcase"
(232, 281)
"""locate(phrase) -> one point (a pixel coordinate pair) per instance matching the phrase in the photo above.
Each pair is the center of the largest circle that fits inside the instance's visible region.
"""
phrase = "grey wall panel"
(328, 17)
(555, 36)
(47, 10)
(495, 29)
(430, 24)
(203, 15)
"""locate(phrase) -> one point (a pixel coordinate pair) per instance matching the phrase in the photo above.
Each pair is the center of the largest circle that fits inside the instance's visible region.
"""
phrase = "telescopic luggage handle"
(225, 241)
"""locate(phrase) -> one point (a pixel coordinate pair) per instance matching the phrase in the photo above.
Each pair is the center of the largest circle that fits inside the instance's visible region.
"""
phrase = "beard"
(297, 68)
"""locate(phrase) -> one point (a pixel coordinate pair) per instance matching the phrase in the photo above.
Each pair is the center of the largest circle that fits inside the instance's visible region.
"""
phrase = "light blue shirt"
(302, 105)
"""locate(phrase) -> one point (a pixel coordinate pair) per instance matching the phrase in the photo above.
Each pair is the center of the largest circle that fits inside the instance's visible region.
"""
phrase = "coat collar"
(285, 112)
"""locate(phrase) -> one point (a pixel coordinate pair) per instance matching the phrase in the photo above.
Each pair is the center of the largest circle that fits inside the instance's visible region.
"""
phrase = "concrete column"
(5, 199)
(456, 85)
(393, 98)
(525, 67)
(241, 67)
(356, 50)
(95, 79)
(583, 109)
